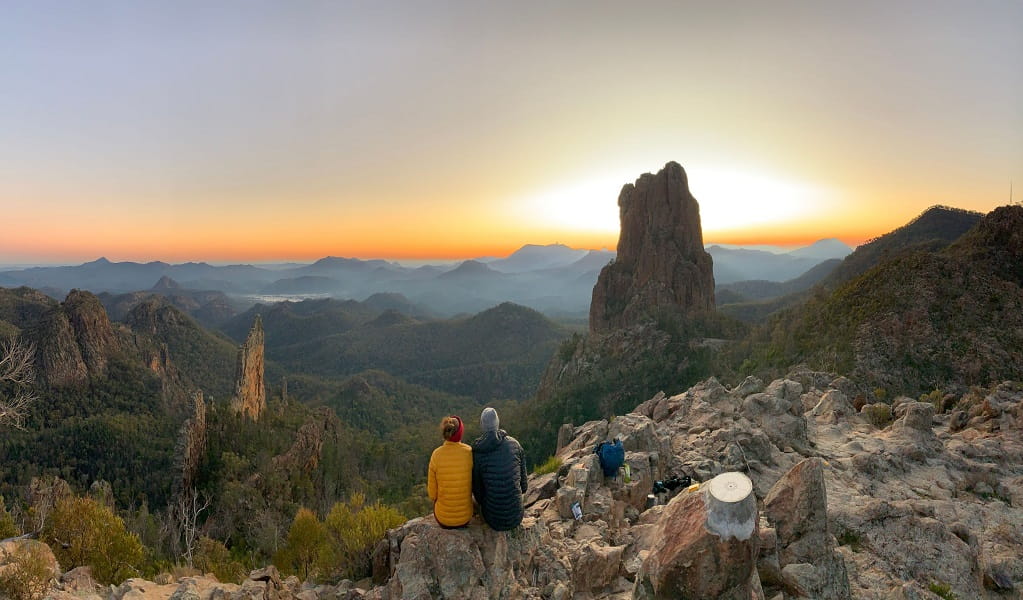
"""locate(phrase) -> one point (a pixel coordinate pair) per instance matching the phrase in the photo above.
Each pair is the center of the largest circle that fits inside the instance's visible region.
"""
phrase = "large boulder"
(797, 508)
(706, 544)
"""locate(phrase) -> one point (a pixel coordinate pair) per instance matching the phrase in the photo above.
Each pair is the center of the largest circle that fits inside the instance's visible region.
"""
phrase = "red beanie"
(457, 436)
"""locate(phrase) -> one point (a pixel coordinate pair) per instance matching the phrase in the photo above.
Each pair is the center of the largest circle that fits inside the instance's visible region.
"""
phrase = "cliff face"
(250, 390)
(661, 261)
(75, 340)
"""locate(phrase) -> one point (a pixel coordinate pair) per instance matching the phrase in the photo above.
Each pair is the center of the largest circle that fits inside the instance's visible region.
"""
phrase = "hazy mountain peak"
(823, 249)
(534, 257)
(166, 283)
(469, 268)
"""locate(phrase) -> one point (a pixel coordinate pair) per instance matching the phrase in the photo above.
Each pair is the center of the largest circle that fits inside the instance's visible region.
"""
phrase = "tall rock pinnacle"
(250, 390)
(661, 261)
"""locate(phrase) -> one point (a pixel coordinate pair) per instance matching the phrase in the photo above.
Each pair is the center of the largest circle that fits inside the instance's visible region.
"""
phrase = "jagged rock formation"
(191, 445)
(661, 261)
(250, 391)
(307, 449)
(75, 340)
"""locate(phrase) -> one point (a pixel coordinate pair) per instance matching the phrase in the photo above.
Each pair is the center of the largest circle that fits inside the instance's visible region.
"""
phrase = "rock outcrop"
(250, 390)
(661, 261)
(191, 445)
(75, 341)
(849, 510)
(307, 449)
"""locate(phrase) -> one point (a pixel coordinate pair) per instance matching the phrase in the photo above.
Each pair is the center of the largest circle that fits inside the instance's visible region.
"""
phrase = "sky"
(256, 131)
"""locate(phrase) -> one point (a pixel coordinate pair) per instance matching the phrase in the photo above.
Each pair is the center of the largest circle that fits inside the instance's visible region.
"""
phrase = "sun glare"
(738, 199)
(730, 199)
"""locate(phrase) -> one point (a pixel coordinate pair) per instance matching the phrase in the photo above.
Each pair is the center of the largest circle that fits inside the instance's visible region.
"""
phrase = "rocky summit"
(661, 261)
(849, 506)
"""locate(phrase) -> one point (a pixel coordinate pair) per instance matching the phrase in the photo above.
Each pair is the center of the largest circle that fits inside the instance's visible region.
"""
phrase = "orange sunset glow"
(291, 132)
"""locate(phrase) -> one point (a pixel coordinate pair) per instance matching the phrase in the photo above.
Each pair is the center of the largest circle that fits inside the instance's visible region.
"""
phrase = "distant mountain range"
(554, 279)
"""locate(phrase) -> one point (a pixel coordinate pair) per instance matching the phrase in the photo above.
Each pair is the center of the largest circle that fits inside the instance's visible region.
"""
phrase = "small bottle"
(577, 511)
(628, 473)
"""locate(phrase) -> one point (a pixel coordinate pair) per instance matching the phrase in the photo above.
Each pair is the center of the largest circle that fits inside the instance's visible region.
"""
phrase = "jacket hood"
(489, 441)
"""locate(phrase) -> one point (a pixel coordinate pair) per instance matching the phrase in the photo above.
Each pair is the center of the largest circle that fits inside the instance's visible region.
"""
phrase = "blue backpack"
(611, 455)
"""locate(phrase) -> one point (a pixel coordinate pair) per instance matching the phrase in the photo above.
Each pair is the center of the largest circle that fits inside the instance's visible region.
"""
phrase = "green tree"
(305, 546)
(7, 526)
(82, 531)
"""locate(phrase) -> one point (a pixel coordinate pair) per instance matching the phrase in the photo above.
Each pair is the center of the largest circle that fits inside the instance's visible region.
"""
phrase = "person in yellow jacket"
(450, 478)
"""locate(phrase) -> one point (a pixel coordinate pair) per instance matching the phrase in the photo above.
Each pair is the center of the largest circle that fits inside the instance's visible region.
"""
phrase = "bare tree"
(16, 378)
(186, 512)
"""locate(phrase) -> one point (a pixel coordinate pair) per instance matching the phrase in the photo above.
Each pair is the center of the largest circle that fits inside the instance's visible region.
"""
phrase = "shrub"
(353, 528)
(28, 573)
(943, 589)
(84, 532)
(551, 465)
(879, 414)
(7, 526)
(852, 539)
(934, 398)
(212, 556)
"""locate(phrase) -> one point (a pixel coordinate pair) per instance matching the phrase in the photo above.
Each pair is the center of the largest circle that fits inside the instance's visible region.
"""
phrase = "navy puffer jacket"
(499, 479)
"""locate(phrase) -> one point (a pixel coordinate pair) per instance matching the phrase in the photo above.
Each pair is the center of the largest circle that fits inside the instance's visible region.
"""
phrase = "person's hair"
(448, 427)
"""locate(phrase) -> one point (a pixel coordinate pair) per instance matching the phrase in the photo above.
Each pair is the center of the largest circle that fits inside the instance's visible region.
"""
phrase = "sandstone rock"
(250, 390)
(958, 421)
(307, 448)
(59, 357)
(93, 331)
(750, 385)
(565, 434)
(16, 550)
(79, 582)
(690, 561)
(917, 416)
(797, 507)
(661, 262)
(834, 407)
(597, 567)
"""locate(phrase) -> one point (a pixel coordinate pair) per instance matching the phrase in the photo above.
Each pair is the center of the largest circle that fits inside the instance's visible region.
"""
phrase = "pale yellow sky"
(293, 131)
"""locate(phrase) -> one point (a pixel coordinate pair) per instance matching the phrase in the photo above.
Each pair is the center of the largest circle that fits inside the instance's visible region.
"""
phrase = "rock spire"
(661, 261)
(250, 390)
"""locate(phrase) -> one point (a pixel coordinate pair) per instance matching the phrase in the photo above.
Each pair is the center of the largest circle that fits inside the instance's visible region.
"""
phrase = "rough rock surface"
(661, 261)
(75, 340)
(250, 390)
(848, 510)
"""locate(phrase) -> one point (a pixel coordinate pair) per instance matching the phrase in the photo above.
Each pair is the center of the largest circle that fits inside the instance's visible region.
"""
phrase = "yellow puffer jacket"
(450, 484)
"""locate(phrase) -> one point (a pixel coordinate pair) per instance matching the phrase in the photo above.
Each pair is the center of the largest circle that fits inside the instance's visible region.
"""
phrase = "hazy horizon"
(415, 262)
(424, 131)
